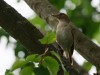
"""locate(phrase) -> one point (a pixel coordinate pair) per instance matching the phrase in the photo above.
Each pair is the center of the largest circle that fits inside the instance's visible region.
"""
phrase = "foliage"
(38, 22)
(46, 66)
(49, 38)
(58, 3)
(87, 66)
(82, 17)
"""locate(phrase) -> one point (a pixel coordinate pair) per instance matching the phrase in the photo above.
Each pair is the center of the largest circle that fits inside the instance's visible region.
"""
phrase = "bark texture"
(89, 50)
(19, 28)
(24, 32)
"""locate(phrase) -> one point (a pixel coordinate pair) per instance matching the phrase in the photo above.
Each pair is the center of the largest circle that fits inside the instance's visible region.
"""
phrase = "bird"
(64, 35)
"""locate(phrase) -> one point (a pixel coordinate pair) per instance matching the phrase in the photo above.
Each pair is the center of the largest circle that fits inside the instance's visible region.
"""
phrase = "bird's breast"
(64, 36)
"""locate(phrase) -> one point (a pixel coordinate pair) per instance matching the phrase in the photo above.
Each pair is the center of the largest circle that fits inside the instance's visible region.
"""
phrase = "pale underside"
(64, 37)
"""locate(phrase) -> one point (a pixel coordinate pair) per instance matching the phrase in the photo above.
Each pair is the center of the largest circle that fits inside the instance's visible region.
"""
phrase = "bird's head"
(62, 16)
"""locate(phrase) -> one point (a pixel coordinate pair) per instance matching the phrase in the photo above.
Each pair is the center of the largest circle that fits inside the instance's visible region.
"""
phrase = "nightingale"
(64, 35)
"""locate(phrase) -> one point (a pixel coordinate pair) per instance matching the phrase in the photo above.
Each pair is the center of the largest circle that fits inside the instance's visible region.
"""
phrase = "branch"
(80, 68)
(20, 28)
(23, 31)
(82, 43)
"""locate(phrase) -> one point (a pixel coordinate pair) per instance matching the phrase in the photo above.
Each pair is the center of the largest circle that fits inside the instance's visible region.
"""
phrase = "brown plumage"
(64, 35)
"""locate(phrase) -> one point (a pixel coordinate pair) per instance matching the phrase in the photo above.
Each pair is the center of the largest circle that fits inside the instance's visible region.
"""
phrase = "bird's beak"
(55, 15)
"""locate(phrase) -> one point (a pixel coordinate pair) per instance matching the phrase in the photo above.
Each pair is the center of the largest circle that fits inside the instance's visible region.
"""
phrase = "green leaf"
(49, 38)
(18, 64)
(8, 72)
(59, 4)
(41, 70)
(55, 54)
(77, 2)
(87, 66)
(33, 58)
(51, 64)
(66, 73)
(97, 36)
(38, 22)
(87, 8)
(28, 70)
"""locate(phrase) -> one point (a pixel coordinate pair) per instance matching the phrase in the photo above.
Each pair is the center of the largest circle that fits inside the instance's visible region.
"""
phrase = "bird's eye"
(61, 14)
